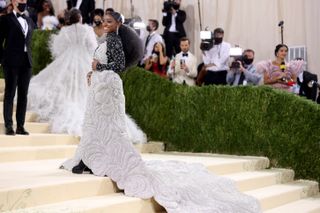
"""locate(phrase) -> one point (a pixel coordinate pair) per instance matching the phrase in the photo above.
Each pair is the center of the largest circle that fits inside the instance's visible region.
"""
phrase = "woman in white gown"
(58, 94)
(106, 148)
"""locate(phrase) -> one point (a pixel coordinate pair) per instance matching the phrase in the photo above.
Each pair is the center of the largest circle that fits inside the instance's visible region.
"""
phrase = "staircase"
(31, 181)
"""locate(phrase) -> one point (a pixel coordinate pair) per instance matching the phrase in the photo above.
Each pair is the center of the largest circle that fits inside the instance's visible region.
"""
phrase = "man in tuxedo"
(172, 20)
(85, 6)
(183, 69)
(15, 56)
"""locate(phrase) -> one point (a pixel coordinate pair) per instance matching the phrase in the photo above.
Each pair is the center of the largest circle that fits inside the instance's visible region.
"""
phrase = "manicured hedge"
(257, 121)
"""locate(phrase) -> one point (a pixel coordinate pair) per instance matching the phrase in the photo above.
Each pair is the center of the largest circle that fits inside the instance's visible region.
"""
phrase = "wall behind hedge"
(232, 120)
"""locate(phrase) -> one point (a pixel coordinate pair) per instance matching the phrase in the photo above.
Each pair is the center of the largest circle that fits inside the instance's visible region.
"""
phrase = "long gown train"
(179, 187)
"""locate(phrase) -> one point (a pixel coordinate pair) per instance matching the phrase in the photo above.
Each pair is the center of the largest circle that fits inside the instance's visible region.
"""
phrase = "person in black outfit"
(85, 6)
(15, 56)
(172, 20)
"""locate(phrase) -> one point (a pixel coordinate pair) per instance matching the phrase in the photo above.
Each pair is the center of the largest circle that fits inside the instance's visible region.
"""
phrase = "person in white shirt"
(183, 68)
(216, 60)
(153, 38)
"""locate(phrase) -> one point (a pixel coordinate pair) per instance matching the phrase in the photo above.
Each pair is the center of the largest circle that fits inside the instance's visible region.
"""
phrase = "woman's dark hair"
(40, 6)
(74, 16)
(160, 67)
(98, 12)
(278, 47)
(117, 16)
(109, 10)
(132, 45)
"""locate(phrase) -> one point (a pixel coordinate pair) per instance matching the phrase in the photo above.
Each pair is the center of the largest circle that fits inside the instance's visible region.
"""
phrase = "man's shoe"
(80, 168)
(9, 131)
(21, 131)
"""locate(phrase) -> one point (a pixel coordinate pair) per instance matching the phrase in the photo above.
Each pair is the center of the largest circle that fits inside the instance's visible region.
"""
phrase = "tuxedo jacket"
(87, 7)
(180, 18)
(180, 76)
(13, 41)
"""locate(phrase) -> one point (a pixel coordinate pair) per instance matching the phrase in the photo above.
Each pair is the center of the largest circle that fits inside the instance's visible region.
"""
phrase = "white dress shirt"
(179, 75)
(24, 27)
(218, 55)
(78, 4)
(153, 39)
(173, 27)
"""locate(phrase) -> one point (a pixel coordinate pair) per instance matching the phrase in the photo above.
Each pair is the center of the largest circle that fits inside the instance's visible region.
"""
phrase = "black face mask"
(97, 23)
(148, 28)
(176, 6)
(22, 7)
(247, 61)
(218, 40)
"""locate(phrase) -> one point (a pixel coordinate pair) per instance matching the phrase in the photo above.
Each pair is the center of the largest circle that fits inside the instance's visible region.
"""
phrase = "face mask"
(22, 7)
(148, 28)
(218, 40)
(97, 23)
(248, 61)
(176, 6)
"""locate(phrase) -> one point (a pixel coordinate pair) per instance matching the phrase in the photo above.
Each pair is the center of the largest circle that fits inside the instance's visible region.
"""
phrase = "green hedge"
(257, 121)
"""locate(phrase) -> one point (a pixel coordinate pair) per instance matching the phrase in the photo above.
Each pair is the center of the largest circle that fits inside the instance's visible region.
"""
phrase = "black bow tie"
(21, 15)
(184, 54)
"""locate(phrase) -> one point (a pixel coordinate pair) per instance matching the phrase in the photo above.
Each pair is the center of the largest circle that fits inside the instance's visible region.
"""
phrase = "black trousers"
(172, 41)
(216, 77)
(16, 78)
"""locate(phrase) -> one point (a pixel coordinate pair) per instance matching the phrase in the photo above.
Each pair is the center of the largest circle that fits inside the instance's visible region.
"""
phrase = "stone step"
(282, 194)
(37, 140)
(307, 205)
(50, 151)
(26, 153)
(251, 180)
(35, 179)
(112, 203)
(39, 182)
(30, 127)
(30, 117)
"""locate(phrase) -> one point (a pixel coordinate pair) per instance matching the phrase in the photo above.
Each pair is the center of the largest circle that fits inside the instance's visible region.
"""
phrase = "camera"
(207, 40)
(236, 63)
(168, 5)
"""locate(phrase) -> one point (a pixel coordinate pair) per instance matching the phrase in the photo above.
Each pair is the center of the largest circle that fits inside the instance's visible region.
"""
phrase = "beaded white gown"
(179, 187)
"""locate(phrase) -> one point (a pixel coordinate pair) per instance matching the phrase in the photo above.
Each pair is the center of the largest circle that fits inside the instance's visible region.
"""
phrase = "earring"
(117, 30)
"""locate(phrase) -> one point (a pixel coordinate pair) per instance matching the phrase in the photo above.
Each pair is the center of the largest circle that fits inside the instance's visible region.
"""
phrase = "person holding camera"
(183, 69)
(243, 71)
(216, 60)
(173, 19)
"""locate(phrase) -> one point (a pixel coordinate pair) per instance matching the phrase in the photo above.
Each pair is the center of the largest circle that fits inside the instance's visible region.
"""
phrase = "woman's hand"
(89, 78)
(94, 64)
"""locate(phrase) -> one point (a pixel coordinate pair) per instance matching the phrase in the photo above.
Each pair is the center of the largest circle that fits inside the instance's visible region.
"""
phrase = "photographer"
(242, 70)
(172, 20)
(216, 60)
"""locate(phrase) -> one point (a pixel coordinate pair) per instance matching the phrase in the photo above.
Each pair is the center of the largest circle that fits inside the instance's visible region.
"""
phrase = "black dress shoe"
(80, 168)
(9, 131)
(21, 131)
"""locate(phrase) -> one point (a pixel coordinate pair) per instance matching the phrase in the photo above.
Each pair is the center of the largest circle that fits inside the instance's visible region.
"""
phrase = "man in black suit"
(172, 20)
(85, 6)
(15, 56)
